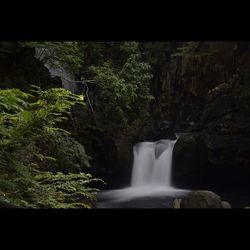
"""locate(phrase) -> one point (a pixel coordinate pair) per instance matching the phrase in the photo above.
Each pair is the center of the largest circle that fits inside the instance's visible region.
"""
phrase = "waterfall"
(151, 176)
(152, 164)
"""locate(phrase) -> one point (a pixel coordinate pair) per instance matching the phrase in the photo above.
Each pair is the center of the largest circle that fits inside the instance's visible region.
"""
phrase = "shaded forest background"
(58, 148)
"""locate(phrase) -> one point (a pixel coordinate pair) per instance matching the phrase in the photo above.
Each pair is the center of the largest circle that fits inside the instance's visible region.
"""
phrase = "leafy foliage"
(67, 191)
(70, 155)
(35, 142)
(25, 120)
(123, 92)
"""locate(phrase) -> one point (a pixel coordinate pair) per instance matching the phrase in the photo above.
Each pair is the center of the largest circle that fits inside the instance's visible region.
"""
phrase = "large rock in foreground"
(201, 199)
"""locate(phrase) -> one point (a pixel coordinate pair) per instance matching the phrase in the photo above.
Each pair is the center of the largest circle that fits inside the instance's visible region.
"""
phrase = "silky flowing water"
(151, 185)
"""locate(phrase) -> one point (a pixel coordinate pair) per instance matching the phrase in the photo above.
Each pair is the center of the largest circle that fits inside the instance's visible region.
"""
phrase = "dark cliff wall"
(183, 79)
(213, 108)
(19, 68)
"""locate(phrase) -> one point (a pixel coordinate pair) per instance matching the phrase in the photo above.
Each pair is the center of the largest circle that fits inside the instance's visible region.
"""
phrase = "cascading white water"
(152, 164)
(151, 174)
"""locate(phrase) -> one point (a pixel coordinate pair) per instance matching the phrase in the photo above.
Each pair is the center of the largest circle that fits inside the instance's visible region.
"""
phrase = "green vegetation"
(123, 91)
(31, 172)
(43, 131)
(58, 147)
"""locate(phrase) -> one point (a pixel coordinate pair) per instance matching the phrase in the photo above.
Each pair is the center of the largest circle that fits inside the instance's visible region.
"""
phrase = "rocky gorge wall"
(200, 88)
(202, 92)
(210, 100)
(19, 68)
(182, 81)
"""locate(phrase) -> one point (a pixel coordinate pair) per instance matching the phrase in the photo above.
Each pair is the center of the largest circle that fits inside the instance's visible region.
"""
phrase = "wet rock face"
(201, 199)
(224, 112)
(113, 160)
(189, 160)
(162, 129)
(207, 161)
(21, 68)
(181, 85)
(125, 161)
(183, 82)
(218, 155)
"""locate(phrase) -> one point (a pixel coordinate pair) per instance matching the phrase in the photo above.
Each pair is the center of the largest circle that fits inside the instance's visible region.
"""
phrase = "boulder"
(177, 203)
(201, 199)
(226, 204)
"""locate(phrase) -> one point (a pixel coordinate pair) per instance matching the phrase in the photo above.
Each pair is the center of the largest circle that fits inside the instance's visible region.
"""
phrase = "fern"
(34, 151)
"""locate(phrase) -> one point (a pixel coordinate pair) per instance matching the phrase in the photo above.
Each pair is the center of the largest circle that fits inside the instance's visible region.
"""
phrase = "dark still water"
(236, 199)
(159, 197)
